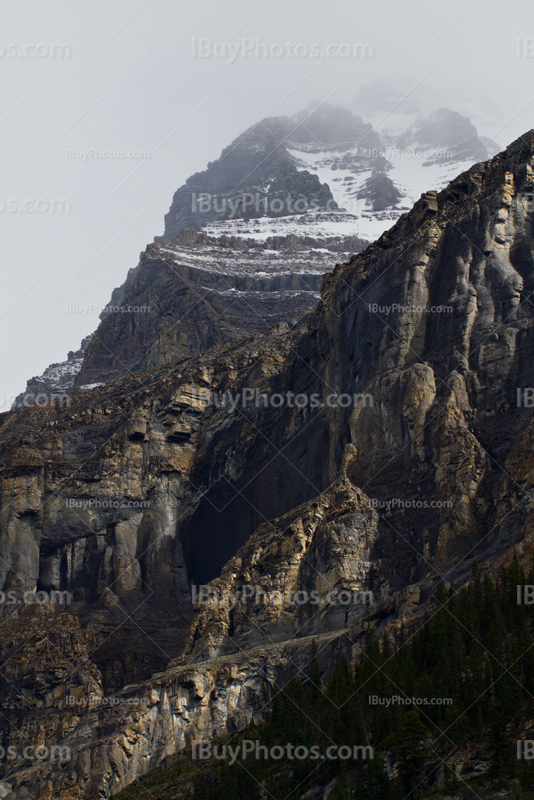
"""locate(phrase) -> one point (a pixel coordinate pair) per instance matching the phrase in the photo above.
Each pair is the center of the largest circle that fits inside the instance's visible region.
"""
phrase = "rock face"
(451, 135)
(308, 572)
(107, 742)
(246, 241)
(259, 163)
(200, 290)
(183, 476)
(380, 192)
(283, 166)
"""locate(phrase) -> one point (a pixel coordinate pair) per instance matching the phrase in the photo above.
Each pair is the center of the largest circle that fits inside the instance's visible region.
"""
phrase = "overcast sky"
(142, 78)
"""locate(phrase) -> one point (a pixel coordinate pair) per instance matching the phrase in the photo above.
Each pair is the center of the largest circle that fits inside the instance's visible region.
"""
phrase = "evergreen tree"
(408, 745)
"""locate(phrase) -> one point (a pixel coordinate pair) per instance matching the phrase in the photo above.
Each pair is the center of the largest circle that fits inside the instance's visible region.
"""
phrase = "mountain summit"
(282, 161)
(247, 241)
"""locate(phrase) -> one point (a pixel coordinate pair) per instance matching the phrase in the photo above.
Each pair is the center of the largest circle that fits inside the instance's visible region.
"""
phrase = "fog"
(107, 107)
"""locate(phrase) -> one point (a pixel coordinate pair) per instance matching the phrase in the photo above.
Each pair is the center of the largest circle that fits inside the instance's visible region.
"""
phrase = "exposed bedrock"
(199, 291)
(145, 486)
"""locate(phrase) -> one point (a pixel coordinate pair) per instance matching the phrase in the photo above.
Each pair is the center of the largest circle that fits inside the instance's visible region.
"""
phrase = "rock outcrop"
(199, 291)
(308, 572)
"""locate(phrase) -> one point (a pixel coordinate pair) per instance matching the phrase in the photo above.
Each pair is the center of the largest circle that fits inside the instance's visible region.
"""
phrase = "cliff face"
(148, 485)
(284, 161)
(200, 291)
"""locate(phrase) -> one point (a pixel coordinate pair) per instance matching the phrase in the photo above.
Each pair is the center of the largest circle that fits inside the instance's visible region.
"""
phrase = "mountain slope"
(202, 290)
(429, 333)
(307, 191)
(291, 197)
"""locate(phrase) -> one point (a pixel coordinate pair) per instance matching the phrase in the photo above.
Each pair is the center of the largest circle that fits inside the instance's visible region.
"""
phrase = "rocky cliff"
(199, 290)
(283, 166)
(259, 163)
(247, 239)
(395, 452)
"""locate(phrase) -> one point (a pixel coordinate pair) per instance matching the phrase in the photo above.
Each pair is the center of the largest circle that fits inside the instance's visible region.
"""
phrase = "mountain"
(277, 188)
(260, 163)
(372, 450)
(282, 161)
(247, 241)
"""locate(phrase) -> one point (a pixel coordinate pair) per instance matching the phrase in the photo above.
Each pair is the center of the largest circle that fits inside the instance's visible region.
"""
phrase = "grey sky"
(127, 80)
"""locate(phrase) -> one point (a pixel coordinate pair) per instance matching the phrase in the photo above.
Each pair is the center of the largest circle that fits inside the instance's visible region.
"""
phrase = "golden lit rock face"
(279, 582)
(142, 488)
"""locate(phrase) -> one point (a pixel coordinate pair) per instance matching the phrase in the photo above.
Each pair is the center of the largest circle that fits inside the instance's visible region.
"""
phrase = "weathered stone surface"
(297, 575)
(275, 493)
(52, 386)
(198, 291)
(257, 162)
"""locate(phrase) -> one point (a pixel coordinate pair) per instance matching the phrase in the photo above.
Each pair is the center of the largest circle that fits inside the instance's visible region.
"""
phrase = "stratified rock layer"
(148, 485)
(199, 291)
(247, 239)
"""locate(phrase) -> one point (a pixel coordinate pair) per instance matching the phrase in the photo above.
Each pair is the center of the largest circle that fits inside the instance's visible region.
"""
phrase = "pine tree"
(407, 744)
